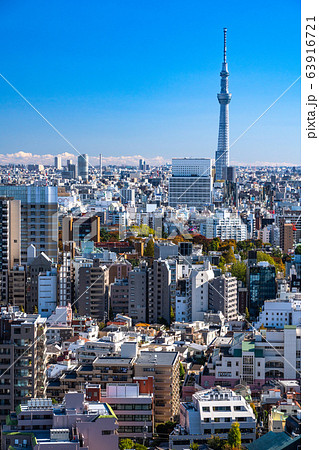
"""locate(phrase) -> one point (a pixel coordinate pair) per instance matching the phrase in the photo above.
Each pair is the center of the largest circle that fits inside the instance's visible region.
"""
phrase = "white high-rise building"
(193, 292)
(191, 182)
(211, 412)
(57, 162)
(225, 225)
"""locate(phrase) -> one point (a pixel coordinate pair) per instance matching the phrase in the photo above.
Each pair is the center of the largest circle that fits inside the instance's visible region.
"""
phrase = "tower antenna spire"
(224, 97)
(225, 47)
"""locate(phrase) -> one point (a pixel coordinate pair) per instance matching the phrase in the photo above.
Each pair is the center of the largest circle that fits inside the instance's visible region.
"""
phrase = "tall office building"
(57, 162)
(161, 290)
(39, 218)
(83, 167)
(101, 164)
(83, 228)
(224, 97)
(261, 283)
(10, 240)
(93, 291)
(138, 293)
(191, 182)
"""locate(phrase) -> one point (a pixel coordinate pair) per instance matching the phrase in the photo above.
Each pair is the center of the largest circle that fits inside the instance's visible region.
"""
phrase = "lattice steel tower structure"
(224, 97)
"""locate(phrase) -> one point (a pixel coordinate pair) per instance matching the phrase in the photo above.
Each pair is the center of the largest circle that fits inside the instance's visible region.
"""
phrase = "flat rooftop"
(161, 358)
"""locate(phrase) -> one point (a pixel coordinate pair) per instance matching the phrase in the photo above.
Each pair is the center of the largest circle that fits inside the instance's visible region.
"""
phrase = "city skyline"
(154, 99)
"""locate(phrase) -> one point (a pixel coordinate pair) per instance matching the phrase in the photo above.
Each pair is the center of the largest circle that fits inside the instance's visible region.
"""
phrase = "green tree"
(253, 407)
(247, 315)
(126, 443)
(230, 256)
(276, 253)
(194, 446)
(298, 250)
(101, 326)
(216, 443)
(138, 446)
(238, 270)
(262, 256)
(172, 315)
(181, 371)
(234, 436)
(213, 246)
(35, 310)
(149, 249)
(164, 429)
(222, 263)
(111, 314)
(104, 235)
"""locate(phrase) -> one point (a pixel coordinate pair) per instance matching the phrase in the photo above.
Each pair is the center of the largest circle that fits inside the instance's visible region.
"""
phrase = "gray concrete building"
(161, 290)
(223, 296)
(93, 291)
(138, 293)
(22, 342)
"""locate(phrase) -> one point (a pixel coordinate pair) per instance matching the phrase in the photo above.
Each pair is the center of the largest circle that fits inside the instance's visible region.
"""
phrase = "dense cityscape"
(151, 307)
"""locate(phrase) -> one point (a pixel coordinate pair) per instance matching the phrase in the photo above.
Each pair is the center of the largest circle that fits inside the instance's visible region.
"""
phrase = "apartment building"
(132, 404)
(73, 424)
(223, 296)
(17, 287)
(10, 242)
(138, 293)
(212, 412)
(225, 225)
(164, 366)
(119, 297)
(23, 341)
(93, 291)
(66, 280)
(254, 359)
(39, 264)
(161, 290)
(280, 312)
(102, 371)
(193, 291)
(119, 270)
(47, 292)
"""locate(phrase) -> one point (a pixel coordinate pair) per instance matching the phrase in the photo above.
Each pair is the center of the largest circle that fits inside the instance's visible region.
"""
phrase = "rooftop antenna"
(225, 47)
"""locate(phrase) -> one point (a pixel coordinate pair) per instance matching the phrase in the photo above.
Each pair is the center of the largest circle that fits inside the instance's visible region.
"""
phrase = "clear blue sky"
(141, 77)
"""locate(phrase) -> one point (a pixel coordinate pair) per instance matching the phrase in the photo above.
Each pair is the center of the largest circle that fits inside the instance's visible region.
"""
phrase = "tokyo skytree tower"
(224, 97)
